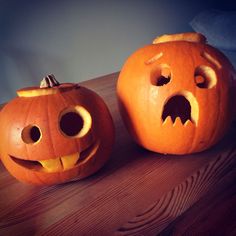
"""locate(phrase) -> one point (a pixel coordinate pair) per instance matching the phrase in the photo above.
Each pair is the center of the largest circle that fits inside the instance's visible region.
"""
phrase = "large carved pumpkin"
(55, 133)
(175, 94)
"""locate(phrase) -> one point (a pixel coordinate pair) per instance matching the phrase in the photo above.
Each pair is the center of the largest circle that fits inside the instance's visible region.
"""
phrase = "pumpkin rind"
(142, 102)
(44, 111)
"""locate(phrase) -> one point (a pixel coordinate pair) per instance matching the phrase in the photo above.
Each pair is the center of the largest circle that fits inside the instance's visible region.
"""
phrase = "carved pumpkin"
(55, 133)
(175, 95)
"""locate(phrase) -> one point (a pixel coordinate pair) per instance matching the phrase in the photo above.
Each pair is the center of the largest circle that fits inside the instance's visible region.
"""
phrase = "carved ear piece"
(190, 37)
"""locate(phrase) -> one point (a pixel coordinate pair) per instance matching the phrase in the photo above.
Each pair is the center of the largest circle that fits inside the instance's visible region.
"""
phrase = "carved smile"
(60, 163)
(181, 108)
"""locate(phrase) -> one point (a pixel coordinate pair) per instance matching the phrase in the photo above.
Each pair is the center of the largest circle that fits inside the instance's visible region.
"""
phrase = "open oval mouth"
(182, 106)
(60, 163)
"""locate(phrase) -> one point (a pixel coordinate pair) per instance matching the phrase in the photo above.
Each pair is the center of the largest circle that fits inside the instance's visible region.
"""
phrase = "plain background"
(80, 40)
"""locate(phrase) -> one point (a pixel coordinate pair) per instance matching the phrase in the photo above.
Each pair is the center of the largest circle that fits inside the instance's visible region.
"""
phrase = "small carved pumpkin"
(175, 95)
(55, 133)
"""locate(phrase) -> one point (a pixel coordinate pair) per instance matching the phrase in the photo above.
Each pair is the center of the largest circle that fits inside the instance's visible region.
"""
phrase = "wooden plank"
(214, 214)
(200, 184)
(137, 192)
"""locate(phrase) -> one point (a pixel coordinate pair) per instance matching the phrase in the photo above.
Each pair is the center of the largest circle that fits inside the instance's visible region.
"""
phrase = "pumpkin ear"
(190, 37)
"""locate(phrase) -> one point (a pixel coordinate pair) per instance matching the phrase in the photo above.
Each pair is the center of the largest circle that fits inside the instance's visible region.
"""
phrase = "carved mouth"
(60, 163)
(181, 108)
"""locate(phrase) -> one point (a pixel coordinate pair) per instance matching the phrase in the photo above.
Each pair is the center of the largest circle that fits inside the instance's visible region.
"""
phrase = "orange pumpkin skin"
(21, 158)
(143, 100)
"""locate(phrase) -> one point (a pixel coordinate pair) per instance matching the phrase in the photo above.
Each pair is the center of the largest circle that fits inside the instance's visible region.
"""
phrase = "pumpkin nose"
(177, 106)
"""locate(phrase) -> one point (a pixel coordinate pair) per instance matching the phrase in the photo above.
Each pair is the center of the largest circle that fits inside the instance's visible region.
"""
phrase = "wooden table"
(137, 192)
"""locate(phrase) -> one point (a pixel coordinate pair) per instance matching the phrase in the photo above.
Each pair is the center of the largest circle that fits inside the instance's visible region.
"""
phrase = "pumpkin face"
(53, 135)
(175, 95)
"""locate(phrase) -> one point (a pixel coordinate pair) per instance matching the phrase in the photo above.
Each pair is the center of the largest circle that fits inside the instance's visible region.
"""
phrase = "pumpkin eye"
(76, 122)
(163, 77)
(71, 123)
(205, 77)
(31, 134)
(162, 80)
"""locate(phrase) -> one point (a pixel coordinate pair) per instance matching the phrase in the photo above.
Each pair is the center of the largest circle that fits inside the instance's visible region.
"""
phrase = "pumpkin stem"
(49, 81)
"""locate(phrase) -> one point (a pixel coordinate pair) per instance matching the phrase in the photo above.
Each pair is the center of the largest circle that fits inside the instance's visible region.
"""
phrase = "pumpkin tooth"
(168, 120)
(51, 165)
(188, 123)
(70, 160)
(178, 121)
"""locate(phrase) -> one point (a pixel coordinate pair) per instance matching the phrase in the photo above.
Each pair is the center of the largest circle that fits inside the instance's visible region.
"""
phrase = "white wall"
(79, 40)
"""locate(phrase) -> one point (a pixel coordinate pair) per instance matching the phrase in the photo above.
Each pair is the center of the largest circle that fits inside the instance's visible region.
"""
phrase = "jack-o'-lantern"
(55, 133)
(175, 95)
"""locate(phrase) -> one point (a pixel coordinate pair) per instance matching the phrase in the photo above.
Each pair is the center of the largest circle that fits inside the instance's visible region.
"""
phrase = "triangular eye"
(205, 77)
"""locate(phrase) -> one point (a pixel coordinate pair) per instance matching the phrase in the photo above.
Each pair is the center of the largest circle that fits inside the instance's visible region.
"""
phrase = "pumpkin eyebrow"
(154, 58)
(211, 59)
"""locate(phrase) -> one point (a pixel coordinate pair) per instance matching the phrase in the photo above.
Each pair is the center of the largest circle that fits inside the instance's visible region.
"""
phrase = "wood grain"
(159, 215)
(137, 192)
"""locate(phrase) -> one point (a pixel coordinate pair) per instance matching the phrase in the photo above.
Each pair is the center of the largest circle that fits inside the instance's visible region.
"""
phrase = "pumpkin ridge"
(49, 126)
(213, 138)
(193, 136)
(74, 102)
(26, 122)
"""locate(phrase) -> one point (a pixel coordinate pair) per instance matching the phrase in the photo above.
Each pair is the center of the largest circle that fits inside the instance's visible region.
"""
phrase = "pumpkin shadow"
(127, 152)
